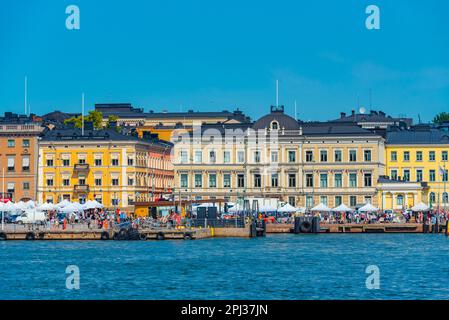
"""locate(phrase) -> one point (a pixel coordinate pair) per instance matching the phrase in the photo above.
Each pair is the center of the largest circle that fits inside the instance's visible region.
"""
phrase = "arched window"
(400, 200)
(432, 198)
(274, 125)
(445, 197)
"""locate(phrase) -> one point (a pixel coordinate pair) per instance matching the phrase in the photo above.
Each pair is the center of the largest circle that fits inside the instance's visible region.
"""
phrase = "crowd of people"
(430, 217)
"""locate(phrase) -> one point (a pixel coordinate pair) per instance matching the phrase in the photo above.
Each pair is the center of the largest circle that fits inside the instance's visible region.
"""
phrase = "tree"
(96, 117)
(441, 117)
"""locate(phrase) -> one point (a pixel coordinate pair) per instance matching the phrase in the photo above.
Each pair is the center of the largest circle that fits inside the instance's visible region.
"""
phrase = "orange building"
(18, 156)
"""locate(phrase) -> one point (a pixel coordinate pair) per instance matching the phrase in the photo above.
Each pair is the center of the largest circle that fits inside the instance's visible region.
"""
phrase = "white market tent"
(321, 207)
(91, 204)
(63, 203)
(342, 208)
(267, 208)
(368, 208)
(9, 206)
(288, 208)
(47, 207)
(420, 207)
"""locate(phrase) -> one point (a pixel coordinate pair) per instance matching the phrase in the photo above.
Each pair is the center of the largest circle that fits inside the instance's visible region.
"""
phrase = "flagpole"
(82, 114)
(26, 93)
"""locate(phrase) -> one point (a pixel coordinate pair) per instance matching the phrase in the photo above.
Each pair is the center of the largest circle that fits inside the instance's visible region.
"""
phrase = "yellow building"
(113, 168)
(417, 156)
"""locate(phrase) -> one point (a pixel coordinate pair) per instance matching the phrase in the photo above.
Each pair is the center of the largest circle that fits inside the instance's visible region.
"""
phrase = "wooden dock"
(357, 228)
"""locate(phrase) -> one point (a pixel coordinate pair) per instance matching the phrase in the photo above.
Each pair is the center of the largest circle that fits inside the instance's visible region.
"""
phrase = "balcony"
(81, 188)
(81, 167)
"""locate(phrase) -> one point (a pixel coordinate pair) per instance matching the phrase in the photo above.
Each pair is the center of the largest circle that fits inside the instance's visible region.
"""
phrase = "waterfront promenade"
(82, 231)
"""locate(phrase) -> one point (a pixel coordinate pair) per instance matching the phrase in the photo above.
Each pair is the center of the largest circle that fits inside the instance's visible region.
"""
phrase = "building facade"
(18, 157)
(278, 157)
(418, 155)
(114, 169)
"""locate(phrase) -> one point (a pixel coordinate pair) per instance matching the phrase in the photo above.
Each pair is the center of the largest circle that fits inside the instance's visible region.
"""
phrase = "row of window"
(274, 157)
(257, 180)
(97, 162)
(11, 186)
(419, 174)
(11, 163)
(418, 156)
(82, 181)
(12, 143)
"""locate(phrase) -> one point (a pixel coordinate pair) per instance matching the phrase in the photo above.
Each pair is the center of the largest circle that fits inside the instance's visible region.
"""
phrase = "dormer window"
(274, 125)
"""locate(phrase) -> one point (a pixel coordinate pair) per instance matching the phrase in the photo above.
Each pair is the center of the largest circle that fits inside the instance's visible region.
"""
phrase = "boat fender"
(123, 234)
(3, 236)
(104, 235)
(143, 236)
(188, 236)
(30, 236)
(306, 227)
(160, 236)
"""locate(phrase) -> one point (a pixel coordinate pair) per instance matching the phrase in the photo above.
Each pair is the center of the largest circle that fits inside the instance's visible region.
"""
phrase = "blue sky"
(216, 55)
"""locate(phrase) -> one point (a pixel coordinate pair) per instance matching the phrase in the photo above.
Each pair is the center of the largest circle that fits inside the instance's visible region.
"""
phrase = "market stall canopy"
(342, 208)
(368, 208)
(63, 203)
(288, 208)
(267, 208)
(92, 204)
(7, 207)
(321, 207)
(30, 204)
(70, 208)
(47, 206)
(420, 207)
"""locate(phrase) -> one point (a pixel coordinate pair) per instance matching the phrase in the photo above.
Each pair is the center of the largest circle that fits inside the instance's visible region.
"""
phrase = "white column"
(393, 199)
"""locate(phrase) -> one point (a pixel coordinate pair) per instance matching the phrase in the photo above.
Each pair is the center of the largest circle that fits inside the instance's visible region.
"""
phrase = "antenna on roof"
(82, 114)
(277, 93)
(296, 116)
(26, 93)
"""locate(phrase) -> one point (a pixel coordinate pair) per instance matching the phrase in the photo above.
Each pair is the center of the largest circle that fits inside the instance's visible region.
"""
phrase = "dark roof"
(71, 134)
(13, 118)
(340, 129)
(417, 135)
(372, 116)
(125, 110)
(277, 114)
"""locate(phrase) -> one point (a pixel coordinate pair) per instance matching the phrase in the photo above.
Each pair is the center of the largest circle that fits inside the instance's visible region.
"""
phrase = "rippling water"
(412, 266)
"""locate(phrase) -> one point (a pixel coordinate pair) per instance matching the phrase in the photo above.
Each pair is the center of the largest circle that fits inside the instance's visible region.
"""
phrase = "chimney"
(353, 112)
(300, 130)
(342, 115)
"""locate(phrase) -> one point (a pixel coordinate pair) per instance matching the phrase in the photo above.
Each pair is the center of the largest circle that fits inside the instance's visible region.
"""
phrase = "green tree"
(441, 117)
(94, 116)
